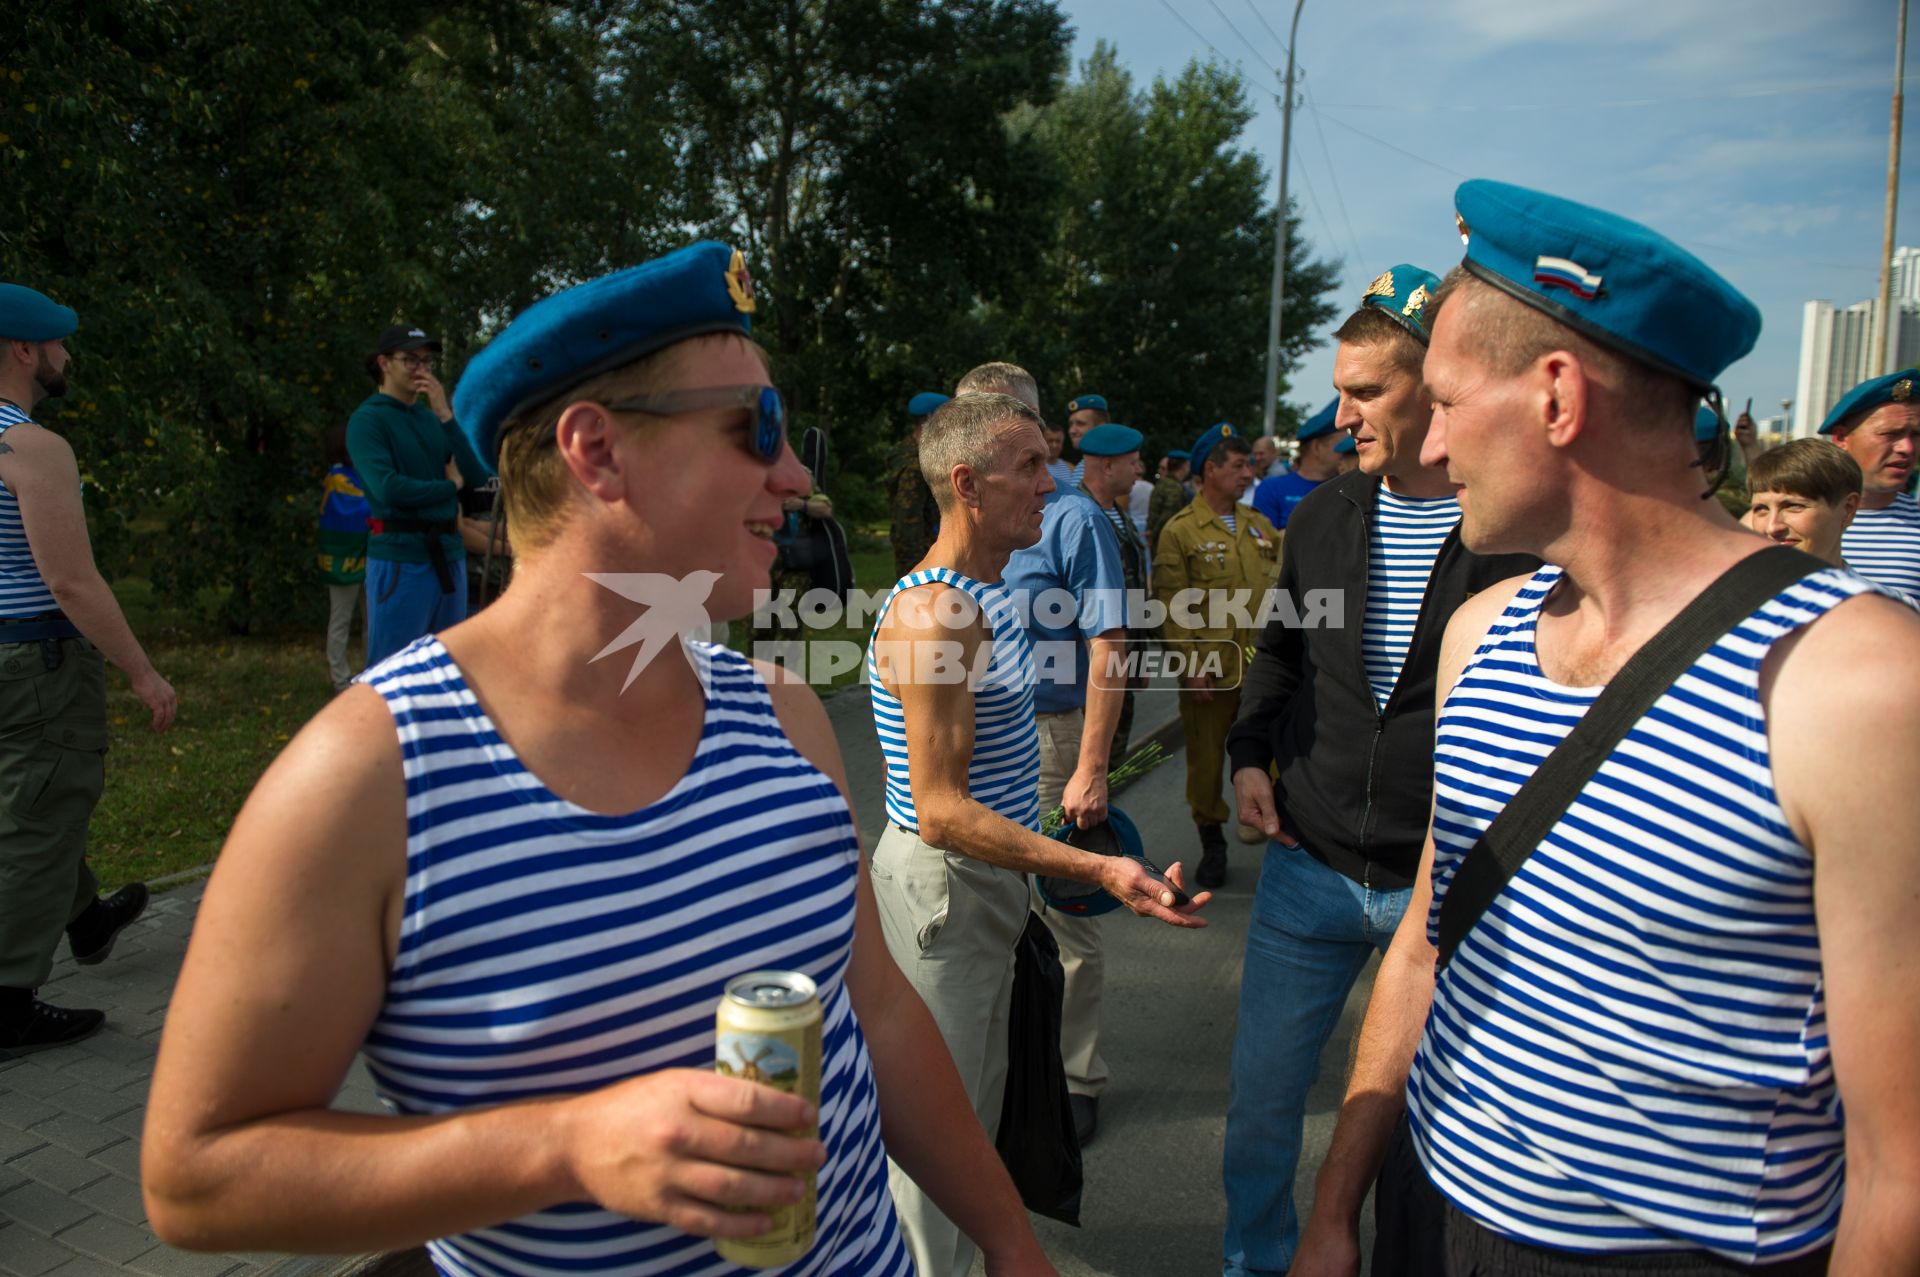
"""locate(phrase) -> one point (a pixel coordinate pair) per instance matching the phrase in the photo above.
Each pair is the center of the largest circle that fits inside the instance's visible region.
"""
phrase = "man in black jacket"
(1345, 712)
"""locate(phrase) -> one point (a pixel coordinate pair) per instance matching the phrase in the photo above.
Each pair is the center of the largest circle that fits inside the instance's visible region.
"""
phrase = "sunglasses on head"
(765, 439)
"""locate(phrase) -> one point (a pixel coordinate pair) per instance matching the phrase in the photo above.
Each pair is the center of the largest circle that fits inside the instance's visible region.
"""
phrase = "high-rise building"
(1835, 343)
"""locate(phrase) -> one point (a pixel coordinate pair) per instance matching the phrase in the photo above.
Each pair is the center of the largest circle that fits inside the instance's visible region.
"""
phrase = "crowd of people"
(1565, 754)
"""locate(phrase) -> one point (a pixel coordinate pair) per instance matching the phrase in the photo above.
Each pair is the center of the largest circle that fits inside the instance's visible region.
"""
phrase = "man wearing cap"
(402, 438)
(1648, 1022)
(520, 863)
(1171, 493)
(1084, 412)
(953, 681)
(59, 622)
(916, 519)
(1072, 589)
(1277, 497)
(1343, 715)
(1345, 458)
(1876, 423)
(1212, 551)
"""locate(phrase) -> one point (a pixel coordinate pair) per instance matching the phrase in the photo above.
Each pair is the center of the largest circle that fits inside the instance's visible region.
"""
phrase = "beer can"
(767, 1030)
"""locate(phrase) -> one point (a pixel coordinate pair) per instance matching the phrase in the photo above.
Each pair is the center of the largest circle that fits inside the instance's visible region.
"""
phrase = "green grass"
(170, 799)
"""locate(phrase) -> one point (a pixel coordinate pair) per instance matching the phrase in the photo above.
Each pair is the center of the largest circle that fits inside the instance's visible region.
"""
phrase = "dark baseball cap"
(406, 337)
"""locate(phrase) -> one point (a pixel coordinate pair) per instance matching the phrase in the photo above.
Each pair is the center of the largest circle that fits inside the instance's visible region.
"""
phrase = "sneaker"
(92, 935)
(1212, 870)
(43, 1026)
(1248, 834)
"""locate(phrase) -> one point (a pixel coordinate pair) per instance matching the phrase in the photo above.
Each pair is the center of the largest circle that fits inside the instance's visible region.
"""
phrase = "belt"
(48, 629)
(433, 529)
(37, 629)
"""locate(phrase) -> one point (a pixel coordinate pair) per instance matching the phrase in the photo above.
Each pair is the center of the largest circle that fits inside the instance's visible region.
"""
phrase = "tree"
(855, 149)
(1155, 288)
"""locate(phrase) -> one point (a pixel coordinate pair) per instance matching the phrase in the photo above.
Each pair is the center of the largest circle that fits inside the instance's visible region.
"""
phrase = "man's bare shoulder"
(29, 447)
(338, 788)
(1477, 612)
(1860, 662)
(935, 609)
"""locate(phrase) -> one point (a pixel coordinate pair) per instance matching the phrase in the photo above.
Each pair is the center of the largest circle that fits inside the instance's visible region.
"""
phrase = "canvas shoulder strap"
(1521, 825)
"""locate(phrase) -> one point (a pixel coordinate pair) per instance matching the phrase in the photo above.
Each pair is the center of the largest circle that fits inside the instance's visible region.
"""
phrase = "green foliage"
(1155, 290)
(237, 196)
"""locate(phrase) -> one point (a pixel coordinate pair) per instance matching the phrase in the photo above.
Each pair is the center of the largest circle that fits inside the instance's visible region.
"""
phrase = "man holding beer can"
(519, 878)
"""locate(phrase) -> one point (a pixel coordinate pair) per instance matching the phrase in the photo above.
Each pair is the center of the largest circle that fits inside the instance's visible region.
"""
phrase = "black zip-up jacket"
(1355, 779)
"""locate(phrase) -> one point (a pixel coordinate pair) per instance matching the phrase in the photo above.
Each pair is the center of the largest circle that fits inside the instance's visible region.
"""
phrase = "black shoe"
(1086, 1116)
(1212, 870)
(43, 1026)
(92, 934)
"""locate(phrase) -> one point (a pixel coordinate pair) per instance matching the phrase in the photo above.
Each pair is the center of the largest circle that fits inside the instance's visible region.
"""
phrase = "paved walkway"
(70, 1119)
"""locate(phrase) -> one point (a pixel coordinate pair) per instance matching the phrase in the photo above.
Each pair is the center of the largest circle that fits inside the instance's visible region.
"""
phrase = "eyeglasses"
(414, 361)
(766, 439)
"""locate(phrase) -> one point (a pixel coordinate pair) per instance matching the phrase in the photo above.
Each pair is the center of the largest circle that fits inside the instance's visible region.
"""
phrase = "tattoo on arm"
(5, 447)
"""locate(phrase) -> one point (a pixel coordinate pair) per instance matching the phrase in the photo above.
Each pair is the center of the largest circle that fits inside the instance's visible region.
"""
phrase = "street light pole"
(1280, 229)
(1877, 366)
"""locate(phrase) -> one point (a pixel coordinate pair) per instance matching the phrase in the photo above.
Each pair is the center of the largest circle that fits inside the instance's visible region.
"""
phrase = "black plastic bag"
(1037, 1140)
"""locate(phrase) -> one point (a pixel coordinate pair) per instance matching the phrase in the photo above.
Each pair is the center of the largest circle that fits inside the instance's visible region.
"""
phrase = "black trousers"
(1420, 1234)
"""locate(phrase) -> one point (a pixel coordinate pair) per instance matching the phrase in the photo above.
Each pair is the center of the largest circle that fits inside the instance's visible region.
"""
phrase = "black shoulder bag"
(1545, 797)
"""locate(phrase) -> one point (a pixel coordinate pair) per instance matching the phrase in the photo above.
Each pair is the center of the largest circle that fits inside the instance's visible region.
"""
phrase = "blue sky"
(1754, 132)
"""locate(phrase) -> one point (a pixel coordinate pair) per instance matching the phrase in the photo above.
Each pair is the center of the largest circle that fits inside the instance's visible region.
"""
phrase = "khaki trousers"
(1081, 955)
(1205, 724)
(951, 923)
(53, 749)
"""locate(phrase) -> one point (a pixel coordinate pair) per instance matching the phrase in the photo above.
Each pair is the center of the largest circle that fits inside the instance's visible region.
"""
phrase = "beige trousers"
(951, 922)
(1081, 955)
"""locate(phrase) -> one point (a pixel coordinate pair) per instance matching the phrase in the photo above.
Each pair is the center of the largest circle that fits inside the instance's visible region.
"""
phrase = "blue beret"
(1204, 444)
(1087, 401)
(1895, 387)
(1402, 294)
(598, 326)
(1116, 836)
(1629, 288)
(1111, 440)
(1346, 445)
(26, 315)
(1706, 424)
(1319, 423)
(1178, 454)
(925, 402)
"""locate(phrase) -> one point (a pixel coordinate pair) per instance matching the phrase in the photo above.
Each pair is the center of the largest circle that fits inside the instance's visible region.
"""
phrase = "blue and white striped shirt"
(1403, 543)
(1884, 546)
(546, 949)
(1004, 773)
(23, 592)
(1629, 1051)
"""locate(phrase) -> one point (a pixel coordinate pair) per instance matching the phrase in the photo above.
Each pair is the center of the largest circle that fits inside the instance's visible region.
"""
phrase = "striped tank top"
(22, 591)
(1004, 773)
(1404, 541)
(1884, 546)
(547, 949)
(1629, 1051)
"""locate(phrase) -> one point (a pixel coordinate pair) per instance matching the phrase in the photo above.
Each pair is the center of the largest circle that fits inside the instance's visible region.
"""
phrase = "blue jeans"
(1310, 935)
(404, 602)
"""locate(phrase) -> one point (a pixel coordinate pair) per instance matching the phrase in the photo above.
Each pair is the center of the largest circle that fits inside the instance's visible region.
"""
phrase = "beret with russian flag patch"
(1612, 280)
